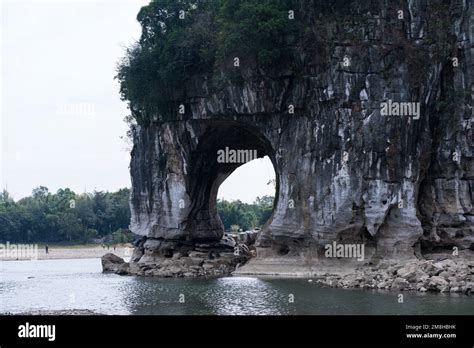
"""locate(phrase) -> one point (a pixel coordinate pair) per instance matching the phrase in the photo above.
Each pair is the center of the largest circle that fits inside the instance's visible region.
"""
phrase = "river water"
(80, 284)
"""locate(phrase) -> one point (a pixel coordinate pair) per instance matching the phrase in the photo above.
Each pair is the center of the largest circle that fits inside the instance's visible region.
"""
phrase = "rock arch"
(345, 172)
(206, 174)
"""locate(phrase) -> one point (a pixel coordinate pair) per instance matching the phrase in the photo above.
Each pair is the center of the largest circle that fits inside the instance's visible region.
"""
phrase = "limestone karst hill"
(304, 83)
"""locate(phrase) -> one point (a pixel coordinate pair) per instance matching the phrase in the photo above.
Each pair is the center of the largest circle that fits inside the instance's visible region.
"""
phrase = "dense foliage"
(186, 43)
(184, 38)
(236, 215)
(67, 217)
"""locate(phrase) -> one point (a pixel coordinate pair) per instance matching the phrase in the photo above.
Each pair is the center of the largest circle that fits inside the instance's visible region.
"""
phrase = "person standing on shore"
(46, 249)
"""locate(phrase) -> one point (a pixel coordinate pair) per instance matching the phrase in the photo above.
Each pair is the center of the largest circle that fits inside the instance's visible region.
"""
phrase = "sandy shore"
(72, 252)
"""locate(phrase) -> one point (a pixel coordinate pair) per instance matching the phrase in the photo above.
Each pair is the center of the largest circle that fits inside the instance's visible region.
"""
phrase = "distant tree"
(50, 217)
(63, 216)
(122, 236)
(243, 215)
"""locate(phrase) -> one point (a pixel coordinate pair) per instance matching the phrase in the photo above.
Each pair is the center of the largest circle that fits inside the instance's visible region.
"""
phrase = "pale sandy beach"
(71, 252)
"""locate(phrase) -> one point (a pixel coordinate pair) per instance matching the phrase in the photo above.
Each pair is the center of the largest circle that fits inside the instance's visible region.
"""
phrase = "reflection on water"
(245, 295)
(79, 284)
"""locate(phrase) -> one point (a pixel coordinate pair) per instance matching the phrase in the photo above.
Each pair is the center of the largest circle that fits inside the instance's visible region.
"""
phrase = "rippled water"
(79, 284)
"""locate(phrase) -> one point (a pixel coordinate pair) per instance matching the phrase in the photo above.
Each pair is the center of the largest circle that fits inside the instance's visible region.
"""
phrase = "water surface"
(80, 284)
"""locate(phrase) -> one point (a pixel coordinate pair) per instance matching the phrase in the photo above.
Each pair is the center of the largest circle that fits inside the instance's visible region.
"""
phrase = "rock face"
(192, 264)
(115, 264)
(414, 275)
(346, 172)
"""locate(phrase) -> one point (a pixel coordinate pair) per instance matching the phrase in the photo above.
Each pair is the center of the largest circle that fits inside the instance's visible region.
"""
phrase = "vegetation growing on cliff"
(184, 38)
(186, 43)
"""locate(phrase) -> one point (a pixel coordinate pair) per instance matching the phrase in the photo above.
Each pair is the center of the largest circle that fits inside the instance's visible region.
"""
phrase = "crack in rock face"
(402, 185)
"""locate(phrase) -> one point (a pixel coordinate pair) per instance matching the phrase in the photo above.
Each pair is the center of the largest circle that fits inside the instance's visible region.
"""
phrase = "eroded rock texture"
(400, 185)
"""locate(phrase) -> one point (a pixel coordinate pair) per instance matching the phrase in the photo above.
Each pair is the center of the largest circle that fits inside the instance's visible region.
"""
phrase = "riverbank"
(449, 275)
(446, 275)
(86, 251)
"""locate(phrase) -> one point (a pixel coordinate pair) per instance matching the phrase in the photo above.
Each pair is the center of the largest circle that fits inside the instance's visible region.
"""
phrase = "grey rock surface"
(113, 263)
(402, 186)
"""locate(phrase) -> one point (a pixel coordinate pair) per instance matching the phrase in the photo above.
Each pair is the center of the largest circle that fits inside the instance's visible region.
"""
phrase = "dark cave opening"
(223, 147)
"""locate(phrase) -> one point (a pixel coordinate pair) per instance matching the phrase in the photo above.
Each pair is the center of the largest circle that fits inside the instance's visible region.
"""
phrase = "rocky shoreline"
(449, 275)
(453, 275)
(193, 264)
(159, 258)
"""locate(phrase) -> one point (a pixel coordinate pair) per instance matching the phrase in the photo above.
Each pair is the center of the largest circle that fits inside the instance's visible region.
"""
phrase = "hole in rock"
(283, 250)
(245, 199)
(232, 182)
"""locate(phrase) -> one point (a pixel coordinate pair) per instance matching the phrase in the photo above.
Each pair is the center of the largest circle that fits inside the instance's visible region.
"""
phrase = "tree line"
(236, 215)
(65, 216)
(68, 217)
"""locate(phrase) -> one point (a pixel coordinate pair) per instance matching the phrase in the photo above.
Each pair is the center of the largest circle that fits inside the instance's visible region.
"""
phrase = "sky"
(61, 121)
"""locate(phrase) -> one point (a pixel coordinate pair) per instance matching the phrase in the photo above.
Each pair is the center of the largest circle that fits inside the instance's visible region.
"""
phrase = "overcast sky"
(61, 116)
